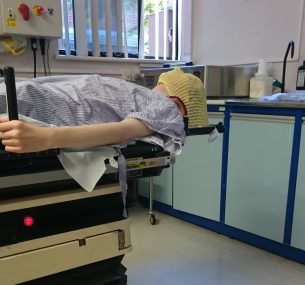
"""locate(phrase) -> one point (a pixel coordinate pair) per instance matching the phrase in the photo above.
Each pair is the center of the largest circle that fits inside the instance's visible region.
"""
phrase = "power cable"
(34, 49)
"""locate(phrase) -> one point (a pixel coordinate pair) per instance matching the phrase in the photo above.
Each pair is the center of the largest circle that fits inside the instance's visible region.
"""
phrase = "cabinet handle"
(215, 115)
(263, 118)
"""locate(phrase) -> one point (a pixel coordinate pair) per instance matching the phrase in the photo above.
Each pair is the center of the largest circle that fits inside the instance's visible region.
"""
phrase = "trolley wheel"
(152, 219)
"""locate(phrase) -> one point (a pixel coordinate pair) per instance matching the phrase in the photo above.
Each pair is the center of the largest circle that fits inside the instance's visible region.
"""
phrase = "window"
(124, 28)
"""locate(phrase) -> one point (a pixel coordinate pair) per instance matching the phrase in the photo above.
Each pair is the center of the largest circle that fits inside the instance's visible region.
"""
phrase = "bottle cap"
(262, 68)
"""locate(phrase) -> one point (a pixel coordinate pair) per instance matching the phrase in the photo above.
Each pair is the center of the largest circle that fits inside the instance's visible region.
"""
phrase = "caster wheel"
(152, 219)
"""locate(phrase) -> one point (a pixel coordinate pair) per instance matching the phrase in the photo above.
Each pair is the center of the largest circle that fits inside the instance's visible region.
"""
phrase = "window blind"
(150, 29)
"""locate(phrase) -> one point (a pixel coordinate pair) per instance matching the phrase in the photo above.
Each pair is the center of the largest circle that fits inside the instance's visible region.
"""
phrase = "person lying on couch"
(91, 110)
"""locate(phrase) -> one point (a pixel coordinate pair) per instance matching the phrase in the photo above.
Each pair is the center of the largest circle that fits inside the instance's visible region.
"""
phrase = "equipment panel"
(31, 18)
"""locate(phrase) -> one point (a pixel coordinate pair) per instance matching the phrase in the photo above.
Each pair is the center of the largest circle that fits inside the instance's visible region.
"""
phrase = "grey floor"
(177, 252)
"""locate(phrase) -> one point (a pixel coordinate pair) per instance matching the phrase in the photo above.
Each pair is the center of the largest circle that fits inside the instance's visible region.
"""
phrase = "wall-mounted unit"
(31, 18)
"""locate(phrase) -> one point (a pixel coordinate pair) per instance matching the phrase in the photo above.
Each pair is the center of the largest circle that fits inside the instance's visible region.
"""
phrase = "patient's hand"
(20, 136)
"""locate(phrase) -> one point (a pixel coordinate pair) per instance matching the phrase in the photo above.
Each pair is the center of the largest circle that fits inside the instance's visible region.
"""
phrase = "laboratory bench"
(248, 184)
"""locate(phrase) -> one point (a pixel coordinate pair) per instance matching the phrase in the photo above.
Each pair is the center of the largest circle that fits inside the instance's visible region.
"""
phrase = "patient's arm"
(20, 136)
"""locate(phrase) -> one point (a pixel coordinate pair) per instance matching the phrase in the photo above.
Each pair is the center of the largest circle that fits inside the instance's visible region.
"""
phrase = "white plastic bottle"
(261, 83)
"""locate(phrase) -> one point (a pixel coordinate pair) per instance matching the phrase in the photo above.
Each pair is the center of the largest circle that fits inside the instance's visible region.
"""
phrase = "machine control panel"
(31, 18)
(24, 224)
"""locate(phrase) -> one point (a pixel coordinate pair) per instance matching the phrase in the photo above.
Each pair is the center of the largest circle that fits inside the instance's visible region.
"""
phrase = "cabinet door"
(298, 227)
(162, 187)
(258, 173)
(197, 175)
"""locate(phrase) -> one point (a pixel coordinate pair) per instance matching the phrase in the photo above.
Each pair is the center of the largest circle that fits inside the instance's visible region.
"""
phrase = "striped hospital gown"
(86, 99)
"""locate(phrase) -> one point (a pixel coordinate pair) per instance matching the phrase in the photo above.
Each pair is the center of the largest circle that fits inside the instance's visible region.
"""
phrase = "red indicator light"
(28, 221)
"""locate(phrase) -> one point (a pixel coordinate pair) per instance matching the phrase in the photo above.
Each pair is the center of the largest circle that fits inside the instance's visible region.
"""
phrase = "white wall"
(229, 32)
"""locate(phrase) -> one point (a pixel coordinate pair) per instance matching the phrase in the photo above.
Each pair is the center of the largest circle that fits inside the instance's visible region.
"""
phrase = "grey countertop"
(256, 103)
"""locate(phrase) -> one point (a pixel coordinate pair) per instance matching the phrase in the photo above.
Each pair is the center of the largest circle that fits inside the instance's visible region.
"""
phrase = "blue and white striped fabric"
(86, 99)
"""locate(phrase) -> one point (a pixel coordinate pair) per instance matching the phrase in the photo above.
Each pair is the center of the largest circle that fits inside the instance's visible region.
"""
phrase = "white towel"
(86, 166)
